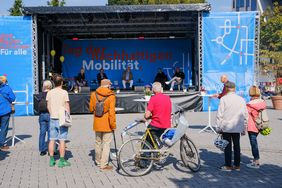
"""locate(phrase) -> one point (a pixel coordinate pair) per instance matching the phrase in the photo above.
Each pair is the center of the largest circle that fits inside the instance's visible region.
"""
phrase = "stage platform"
(79, 103)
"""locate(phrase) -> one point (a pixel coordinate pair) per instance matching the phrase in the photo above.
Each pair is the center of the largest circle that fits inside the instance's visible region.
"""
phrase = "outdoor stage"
(79, 103)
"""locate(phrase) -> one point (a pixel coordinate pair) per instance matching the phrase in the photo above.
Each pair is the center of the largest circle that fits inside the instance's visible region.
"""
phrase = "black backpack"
(42, 104)
(99, 108)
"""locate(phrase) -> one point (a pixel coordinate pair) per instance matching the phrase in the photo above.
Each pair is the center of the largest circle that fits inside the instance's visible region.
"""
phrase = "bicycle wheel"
(189, 154)
(132, 160)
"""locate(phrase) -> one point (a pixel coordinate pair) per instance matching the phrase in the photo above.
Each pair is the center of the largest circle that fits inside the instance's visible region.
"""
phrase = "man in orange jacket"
(104, 125)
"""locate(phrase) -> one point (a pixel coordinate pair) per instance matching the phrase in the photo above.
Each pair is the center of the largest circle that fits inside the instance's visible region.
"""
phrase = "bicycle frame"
(155, 146)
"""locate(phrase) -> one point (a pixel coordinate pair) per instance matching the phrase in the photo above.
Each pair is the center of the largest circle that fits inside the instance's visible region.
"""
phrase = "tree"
(271, 41)
(146, 2)
(271, 34)
(16, 9)
(56, 3)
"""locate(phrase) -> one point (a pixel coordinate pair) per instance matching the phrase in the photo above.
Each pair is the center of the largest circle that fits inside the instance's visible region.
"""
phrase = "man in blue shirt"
(6, 98)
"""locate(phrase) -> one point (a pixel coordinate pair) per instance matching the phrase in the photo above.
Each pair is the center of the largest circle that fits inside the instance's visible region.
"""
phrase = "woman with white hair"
(44, 117)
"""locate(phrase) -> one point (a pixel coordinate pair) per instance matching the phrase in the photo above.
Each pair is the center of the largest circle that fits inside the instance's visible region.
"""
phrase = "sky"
(217, 5)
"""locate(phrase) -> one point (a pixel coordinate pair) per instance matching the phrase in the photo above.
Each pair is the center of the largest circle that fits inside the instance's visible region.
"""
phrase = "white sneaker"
(253, 165)
(171, 89)
(167, 82)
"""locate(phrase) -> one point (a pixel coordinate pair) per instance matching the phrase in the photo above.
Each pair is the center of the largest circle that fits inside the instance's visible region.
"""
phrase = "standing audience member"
(159, 111)
(57, 99)
(231, 120)
(104, 125)
(161, 77)
(178, 78)
(127, 77)
(101, 76)
(44, 118)
(6, 98)
(254, 106)
(223, 79)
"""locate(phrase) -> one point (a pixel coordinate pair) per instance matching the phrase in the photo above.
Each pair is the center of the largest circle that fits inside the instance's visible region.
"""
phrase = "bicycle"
(137, 156)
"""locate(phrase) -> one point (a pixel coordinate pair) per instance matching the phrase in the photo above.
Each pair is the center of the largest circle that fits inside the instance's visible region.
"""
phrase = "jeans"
(235, 138)
(56, 131)
(156, 134)
(4, 125)
(254, 144)
(44, 123)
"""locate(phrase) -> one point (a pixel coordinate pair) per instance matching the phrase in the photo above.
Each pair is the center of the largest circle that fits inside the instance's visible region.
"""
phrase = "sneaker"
(107, 167)
(42, 153)
(226, 168)
(253, 165)
(63, 163)
(4, 148)
(170, 89)
(236, 168)
(52, 162)
(167, 82)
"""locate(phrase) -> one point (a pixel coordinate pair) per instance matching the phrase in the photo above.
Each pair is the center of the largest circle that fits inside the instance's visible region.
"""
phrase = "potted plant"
(271, 47)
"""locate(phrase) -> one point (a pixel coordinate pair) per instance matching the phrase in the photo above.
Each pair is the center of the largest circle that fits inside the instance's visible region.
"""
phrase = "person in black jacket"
(101, 75)
(178, 78)
(80, 79)
(44, 118)
(161, 77)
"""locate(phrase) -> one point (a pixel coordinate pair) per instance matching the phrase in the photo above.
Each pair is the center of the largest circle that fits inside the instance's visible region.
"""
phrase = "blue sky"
(217, 5)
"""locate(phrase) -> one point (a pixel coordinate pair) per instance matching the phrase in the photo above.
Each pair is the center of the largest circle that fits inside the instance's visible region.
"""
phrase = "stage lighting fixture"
(75, 38)
(171, 37)
(141, 38)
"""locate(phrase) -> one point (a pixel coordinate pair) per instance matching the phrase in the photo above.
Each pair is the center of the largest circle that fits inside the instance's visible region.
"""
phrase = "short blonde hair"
(254, 91)
(47, 85)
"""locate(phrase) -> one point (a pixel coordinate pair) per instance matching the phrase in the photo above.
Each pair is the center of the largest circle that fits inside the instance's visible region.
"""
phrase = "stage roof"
(100, 22)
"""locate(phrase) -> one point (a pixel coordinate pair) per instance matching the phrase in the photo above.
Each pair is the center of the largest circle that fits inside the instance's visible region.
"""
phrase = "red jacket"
(254, 106)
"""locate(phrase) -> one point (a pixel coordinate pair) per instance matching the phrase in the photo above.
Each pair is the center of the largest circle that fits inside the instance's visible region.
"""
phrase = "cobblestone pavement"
(22, 166)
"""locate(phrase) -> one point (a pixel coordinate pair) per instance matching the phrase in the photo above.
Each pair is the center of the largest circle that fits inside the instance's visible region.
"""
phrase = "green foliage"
(16, 9)
(148, 2)
(271, 34)
(56, 3)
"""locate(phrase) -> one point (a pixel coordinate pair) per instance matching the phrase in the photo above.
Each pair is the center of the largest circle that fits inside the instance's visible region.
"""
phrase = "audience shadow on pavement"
(210, 175)
(4, 155)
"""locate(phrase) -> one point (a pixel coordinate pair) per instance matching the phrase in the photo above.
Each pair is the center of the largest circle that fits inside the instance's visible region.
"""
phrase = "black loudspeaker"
(139, 88)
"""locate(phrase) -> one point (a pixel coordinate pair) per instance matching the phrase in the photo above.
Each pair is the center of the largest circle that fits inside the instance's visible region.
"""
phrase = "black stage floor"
(125, 100)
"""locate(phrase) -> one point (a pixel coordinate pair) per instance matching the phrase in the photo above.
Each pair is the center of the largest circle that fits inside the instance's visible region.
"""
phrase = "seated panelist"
(127, 77)
(80, 79)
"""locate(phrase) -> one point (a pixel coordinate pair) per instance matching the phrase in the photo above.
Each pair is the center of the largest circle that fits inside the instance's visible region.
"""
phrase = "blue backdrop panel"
(16, 59)
(144, 57)
(228, 48)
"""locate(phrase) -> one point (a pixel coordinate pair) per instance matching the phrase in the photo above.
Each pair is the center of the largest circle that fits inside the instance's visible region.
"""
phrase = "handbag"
(220, 143)
(65, 119)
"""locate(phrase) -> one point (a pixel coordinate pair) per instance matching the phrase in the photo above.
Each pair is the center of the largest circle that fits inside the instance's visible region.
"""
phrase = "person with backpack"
(255, 105)
(102, 104)
(6, 98)
(44, 118)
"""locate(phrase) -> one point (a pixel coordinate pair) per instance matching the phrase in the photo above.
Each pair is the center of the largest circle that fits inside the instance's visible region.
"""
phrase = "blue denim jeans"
(4, 125)
(254, 144)
(44, 123)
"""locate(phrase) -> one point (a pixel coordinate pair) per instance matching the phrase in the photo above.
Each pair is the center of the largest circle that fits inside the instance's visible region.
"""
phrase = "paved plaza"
(22, 166)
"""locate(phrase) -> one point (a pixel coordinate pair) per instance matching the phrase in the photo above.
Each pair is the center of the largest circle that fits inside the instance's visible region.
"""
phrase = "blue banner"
(16, 60)
(143, 56)
(228, 48)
